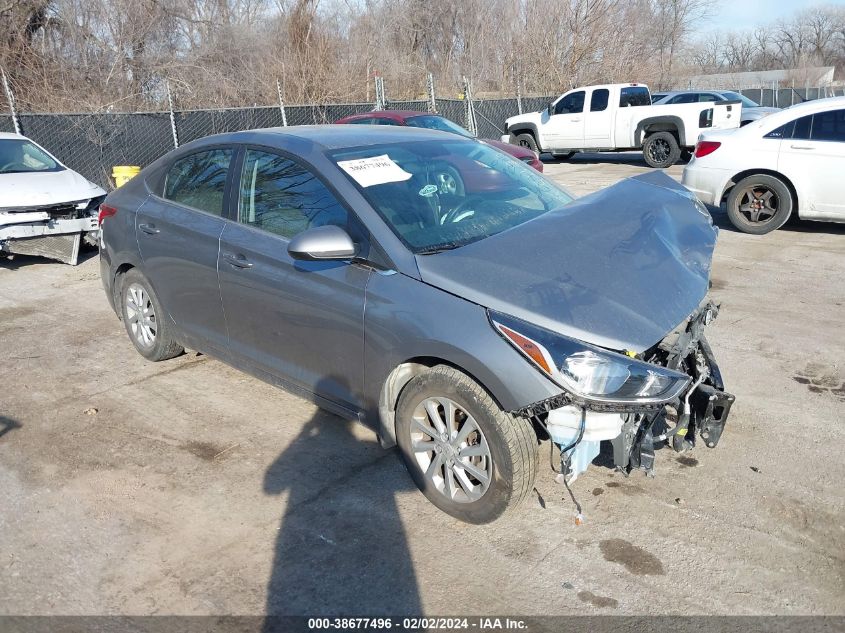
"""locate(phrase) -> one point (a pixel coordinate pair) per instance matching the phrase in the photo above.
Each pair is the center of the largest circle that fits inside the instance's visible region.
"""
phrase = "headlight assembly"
(588, 372)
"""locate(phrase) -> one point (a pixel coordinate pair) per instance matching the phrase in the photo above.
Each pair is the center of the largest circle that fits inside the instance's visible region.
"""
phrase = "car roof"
(10, 135)
(336, 136)
(807, 107)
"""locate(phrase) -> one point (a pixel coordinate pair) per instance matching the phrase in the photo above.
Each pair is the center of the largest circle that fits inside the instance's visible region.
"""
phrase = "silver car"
(751, 110)
(434, 288)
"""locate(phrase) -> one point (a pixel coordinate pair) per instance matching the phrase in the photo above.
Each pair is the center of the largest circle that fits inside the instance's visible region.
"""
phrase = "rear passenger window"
(598, 102)
(784, 131)
(803, 127)
(199, 180)
(634, 96)
(282, 197)
(829, 126)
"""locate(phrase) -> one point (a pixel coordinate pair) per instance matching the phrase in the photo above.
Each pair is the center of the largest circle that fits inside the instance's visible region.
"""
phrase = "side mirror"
(551, 109)
(322, 243)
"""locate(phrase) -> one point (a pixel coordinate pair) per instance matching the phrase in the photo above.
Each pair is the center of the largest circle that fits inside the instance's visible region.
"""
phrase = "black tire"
(759, 204)
(511, 441)
(526, 139)
(661, 150)
(162, 345)
(565, 156)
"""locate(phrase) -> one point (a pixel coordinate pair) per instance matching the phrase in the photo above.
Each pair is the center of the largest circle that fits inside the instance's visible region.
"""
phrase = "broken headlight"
(588, 372)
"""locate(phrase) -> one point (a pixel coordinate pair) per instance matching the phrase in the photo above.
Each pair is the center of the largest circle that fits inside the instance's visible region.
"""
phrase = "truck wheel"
(471, 459)
(759, 204)
(527, 140)
(145, 320)
(660, 150)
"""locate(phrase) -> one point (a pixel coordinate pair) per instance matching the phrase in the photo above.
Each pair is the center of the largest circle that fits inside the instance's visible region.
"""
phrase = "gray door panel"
(300, 321)
(179, 248)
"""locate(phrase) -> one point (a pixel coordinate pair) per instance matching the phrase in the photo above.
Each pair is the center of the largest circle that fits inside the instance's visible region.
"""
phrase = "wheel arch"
(767, 172)
(526, 128)
(671, 124)
(398, 379)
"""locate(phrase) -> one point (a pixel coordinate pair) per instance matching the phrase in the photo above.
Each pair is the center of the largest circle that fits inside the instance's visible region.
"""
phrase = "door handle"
(576, 120)
(801, 147)
(238, 261)
(149, 229)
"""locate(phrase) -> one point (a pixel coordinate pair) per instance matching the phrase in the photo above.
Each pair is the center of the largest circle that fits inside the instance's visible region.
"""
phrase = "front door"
(301, 321)
(564, 130)
(178, 236)
(814, 159)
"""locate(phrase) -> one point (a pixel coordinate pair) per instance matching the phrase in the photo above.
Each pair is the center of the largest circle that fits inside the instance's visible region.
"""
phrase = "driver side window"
(280, 196)
(572, 103)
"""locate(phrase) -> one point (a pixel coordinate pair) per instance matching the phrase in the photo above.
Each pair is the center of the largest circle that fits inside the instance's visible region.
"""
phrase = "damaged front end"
(678, 394)
(55, 231)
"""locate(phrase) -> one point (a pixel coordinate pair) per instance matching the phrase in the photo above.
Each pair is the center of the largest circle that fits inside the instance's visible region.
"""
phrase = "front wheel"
(759, 204)
(661, 150)
(468, 457)
(527, 140)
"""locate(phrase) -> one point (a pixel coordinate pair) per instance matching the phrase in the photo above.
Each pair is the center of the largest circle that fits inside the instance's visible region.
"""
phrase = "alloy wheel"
(659, 150)
(758, 204)
(140, 315)
(451, 450)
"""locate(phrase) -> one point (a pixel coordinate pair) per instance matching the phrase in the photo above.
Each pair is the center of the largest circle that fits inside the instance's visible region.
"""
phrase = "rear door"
(300, 321)
(178, 234)
(598, 120)
(565, 127)
(814, 159)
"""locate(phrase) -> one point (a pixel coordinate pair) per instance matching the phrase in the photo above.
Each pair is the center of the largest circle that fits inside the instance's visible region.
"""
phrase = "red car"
(437, 122)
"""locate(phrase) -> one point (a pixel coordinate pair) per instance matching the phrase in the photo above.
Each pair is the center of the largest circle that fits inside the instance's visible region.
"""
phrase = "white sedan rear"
(792, 161)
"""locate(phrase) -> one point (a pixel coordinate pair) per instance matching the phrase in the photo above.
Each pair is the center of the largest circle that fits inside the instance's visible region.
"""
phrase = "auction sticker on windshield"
(376, 170)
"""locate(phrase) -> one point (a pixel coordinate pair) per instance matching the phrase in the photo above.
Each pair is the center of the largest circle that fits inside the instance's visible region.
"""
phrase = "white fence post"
(281, 103)
(470, 112)
(172, 117)
(432, 100)
(11, 99)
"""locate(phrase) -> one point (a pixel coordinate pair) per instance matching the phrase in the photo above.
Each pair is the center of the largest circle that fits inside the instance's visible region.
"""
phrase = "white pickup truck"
(619, 117)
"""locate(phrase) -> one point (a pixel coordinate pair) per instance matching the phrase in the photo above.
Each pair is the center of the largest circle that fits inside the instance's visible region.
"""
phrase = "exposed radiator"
(64, 248)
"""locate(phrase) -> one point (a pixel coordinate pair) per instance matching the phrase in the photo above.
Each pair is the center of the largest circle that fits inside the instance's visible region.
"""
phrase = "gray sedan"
(434, 288)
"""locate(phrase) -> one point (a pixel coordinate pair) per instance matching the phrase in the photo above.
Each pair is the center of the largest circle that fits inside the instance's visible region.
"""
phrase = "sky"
(735, 15)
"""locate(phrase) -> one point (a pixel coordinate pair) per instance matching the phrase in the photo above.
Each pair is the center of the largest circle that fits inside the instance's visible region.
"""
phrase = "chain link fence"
(92, 144)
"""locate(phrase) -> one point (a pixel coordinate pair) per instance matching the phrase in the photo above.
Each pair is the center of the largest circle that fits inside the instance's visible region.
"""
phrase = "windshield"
(440, 195)
(746, 102)
(19, 155)
(433, 122)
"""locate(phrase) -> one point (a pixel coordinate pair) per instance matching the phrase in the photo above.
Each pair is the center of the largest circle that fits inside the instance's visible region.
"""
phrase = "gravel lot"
(187, 487)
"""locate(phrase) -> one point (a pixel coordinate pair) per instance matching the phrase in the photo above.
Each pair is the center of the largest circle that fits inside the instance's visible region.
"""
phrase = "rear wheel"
(759, 204)
(661, 150)
(145, 320)
(527, 140)
(470, 459)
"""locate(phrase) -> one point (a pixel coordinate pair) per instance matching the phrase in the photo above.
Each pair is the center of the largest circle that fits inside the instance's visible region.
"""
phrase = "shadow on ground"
(341, 547)
(15, 262)
(8, 424)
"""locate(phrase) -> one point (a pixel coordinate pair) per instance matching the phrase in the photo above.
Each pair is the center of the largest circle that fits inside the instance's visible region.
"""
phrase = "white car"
(792, 161)
(46, 209)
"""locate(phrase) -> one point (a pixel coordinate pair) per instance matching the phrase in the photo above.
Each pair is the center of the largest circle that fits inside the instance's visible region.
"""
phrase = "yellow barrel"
(123, 174)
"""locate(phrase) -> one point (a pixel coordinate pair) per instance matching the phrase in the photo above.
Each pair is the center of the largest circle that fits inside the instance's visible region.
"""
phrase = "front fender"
(407, 323)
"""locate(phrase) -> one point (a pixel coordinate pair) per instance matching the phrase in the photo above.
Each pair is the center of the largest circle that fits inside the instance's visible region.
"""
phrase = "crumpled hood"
(620, 268)
(42, 188)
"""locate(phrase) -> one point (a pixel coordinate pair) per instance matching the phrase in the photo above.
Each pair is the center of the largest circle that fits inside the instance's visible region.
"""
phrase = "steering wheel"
(455, 215)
